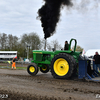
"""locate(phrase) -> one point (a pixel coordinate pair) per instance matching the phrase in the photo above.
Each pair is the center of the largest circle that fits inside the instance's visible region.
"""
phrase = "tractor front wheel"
(32, 69)
(44, 69)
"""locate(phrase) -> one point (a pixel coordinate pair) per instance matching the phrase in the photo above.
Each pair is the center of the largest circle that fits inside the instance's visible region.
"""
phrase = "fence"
(18, 63)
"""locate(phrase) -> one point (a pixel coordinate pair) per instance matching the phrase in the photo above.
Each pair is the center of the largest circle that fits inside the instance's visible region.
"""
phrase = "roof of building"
(8, 51)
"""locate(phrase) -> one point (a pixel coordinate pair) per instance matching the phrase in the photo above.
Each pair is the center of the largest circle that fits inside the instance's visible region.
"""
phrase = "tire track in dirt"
(39, 80)
(22, 86)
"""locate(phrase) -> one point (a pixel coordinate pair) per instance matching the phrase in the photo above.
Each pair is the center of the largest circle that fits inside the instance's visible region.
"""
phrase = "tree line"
(28, 42)
(25, 43)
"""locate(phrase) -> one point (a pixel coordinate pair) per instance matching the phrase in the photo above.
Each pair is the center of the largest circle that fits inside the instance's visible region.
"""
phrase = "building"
(7, 55)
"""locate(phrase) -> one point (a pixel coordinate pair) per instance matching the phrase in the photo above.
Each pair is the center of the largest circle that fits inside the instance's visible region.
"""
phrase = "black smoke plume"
(49, 15)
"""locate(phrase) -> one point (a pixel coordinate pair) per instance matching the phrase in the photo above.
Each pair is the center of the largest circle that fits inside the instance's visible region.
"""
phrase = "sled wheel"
(44, 69)
(32, 69)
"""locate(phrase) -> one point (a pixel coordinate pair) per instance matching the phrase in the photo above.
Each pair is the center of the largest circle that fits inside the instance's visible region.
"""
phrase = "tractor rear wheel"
(62, 66)
(44, 69)
(75, 71)
(32, 69)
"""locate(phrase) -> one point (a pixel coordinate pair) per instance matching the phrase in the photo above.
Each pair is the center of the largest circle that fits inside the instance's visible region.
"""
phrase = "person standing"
(14, 63)
(96, 60)
(66, 45)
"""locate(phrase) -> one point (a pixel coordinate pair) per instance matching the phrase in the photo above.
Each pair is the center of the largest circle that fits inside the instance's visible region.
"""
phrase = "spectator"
(96, 60)
(13, 63)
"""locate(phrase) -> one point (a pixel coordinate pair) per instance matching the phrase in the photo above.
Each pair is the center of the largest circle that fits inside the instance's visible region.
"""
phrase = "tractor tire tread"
(71, 62)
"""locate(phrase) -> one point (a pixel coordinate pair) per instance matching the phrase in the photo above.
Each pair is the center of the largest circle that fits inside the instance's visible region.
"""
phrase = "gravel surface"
(19, 85)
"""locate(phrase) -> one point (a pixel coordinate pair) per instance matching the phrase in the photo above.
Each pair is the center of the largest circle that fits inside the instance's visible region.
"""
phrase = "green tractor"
(61, 63)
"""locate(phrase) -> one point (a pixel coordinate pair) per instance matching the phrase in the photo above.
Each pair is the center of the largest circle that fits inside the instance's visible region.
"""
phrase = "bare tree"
(15, 42)
(50, 45)
(3, 41)
(56, 45)
(35, 41)
(10, 42)
(78, 48)
(30, 41)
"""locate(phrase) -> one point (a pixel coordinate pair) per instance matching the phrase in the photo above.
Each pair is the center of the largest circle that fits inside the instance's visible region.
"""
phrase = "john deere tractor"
(61, 63)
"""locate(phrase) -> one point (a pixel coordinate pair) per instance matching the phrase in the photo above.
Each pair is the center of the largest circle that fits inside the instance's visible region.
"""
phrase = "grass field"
(9, 67)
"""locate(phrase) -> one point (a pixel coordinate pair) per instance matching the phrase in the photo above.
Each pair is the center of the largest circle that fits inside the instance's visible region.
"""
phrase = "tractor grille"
(38, 57)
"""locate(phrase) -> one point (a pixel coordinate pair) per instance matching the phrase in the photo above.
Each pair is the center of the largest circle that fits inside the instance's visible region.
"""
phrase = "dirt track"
(19, 85)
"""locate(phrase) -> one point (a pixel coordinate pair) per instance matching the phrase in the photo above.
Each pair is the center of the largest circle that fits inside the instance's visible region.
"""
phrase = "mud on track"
(19, 85)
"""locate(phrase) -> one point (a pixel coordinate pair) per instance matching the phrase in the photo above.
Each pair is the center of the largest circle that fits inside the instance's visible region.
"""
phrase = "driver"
(66, 45)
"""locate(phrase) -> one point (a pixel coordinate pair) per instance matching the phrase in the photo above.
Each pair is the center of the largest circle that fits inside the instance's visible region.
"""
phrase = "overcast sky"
(81, 22)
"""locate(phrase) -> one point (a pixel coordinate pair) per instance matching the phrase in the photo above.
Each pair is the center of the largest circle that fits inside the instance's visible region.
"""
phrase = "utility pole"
(27, 51)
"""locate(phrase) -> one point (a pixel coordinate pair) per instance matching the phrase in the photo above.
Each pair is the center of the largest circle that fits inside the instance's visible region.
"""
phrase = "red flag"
(16, 57)
(83, 52)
